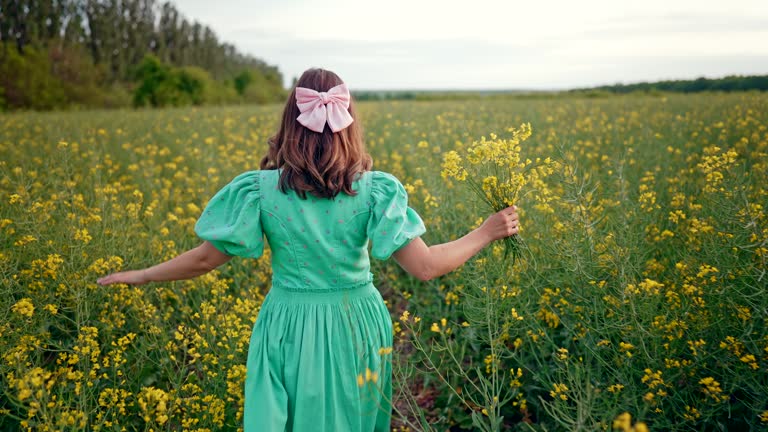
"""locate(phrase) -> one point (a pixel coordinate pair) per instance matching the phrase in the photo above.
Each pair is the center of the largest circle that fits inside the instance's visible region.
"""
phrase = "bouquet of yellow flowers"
(495, 172)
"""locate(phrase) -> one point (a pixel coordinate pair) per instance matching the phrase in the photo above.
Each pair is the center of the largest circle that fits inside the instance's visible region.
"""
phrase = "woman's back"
(317, 244)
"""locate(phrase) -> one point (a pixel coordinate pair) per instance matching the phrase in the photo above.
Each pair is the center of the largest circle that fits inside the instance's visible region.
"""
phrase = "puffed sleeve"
(231, 220)
(392, 223)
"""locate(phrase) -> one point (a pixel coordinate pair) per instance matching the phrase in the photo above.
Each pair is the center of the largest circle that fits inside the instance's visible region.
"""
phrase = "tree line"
(60, 53)
(727, 84)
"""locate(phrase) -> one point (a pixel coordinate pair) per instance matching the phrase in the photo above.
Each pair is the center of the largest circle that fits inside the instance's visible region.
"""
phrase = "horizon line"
(551, 89)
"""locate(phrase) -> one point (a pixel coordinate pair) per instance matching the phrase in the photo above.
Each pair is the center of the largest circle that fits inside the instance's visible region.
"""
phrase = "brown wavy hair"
(321, 163)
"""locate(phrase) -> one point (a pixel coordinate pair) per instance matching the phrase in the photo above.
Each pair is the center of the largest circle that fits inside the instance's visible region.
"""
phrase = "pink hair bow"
(318, 107)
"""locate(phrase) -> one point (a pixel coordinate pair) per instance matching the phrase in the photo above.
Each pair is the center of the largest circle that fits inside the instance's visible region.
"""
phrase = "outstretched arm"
(188, 265)
(427, 262)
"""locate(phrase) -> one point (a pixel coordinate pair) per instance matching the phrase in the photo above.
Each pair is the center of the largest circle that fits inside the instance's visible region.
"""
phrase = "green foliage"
(65, 77)
(27, 80)
(151, 74)
(192, 81)
(242, 80)
(84, 54)
(259, 87)
(57, 77)
(84, 84)
(261, 90)
(727, 84)
(220, 93)
(160, 84)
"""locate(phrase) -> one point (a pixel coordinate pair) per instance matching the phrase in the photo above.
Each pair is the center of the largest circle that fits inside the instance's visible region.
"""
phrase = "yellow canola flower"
(626, 348)
(369, 376)
(404, 316)
(490, 183)
(764, 416)
(623, 422)
(83, 235)
(25, 239)
(24, 307)
(562, 354)
(441, 328)
(153, 403)
(452, 166)
(713, 390)
(559, 391)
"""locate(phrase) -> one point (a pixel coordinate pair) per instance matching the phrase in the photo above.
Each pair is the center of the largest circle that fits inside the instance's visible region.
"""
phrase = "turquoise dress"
(314, 361)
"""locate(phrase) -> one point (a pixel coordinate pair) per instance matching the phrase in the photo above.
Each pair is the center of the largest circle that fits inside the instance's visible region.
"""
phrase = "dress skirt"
(315, 365)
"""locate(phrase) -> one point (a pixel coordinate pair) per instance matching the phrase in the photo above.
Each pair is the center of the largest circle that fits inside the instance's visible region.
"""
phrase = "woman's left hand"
(132, 277)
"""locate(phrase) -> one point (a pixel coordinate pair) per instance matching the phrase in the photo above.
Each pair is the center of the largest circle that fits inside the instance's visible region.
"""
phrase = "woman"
(315, 360)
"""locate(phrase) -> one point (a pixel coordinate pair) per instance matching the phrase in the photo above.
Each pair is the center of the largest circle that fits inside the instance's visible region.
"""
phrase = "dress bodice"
(317, 244)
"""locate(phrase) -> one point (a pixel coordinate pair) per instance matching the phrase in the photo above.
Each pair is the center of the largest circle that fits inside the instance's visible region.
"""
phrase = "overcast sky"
(504, 44)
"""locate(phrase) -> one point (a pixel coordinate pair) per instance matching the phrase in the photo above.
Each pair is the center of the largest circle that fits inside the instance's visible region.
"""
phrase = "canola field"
(638, 299)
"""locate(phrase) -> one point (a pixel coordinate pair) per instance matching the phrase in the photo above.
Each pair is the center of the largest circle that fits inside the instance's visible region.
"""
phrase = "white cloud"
(496, 44)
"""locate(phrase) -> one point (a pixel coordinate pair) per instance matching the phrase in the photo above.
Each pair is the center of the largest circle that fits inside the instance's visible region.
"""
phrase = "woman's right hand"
(428, 262)
(502, 224)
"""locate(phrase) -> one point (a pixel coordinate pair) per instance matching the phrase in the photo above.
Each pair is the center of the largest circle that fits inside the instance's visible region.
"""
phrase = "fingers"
(512, 220)
(131, 277)
(110, 279)
(511, 213)
(504, 223)
(512, 228)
